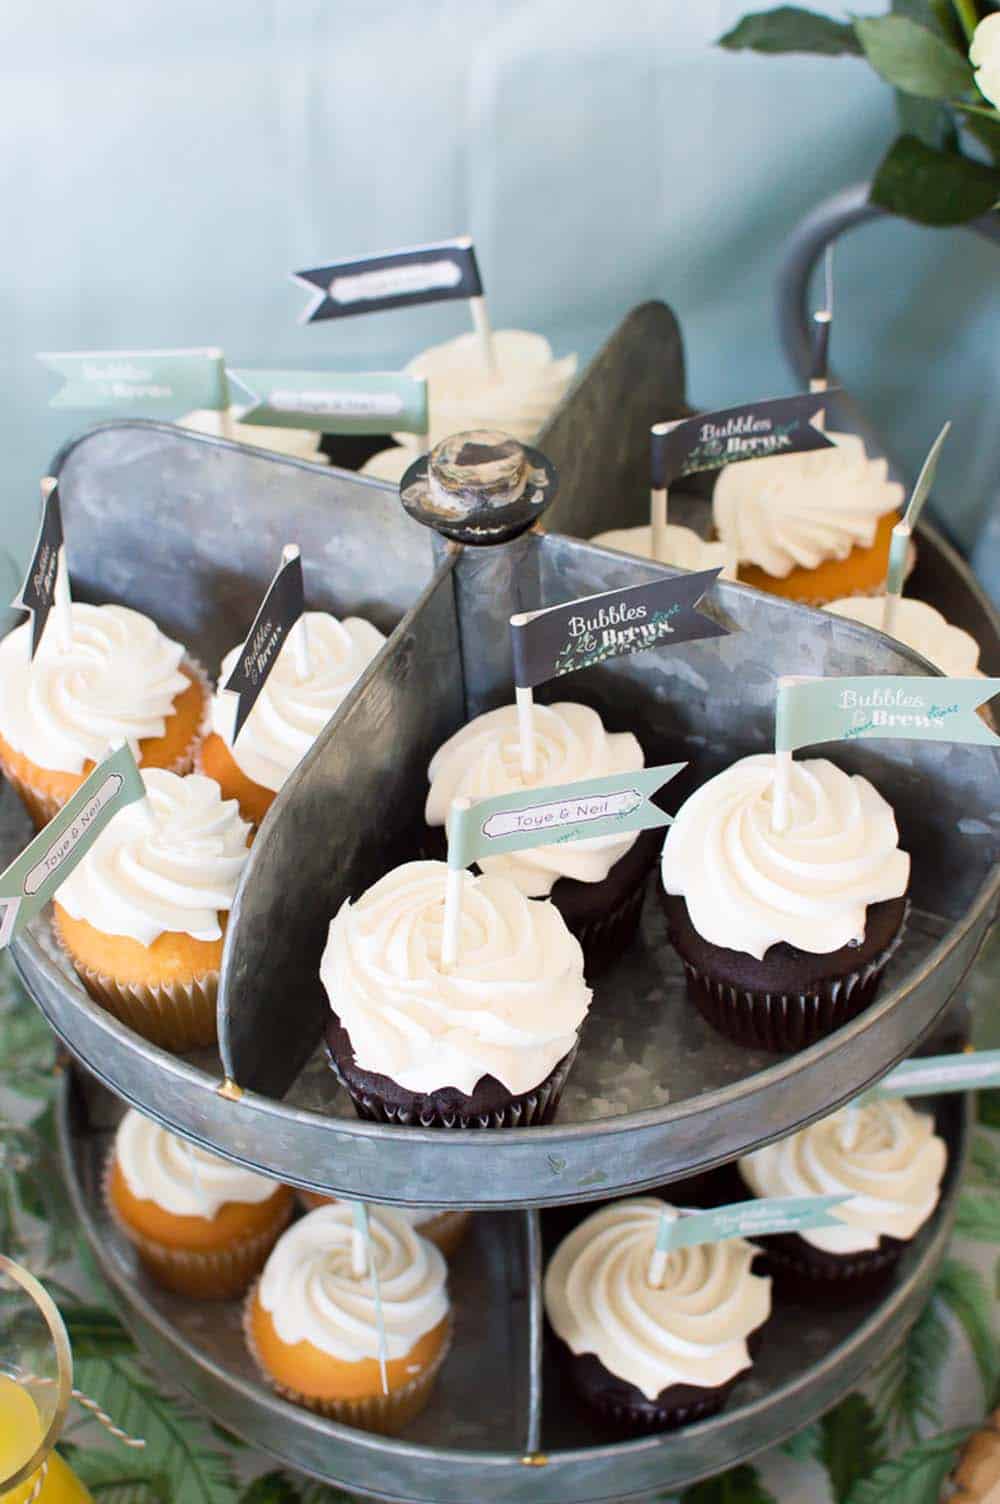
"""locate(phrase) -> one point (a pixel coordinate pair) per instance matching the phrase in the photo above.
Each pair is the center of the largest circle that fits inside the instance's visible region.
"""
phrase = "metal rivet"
(535, 1459)
(230, 1090)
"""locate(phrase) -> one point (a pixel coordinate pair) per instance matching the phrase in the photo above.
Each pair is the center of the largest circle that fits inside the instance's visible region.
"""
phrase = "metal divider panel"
(189, 529)
(351, 810)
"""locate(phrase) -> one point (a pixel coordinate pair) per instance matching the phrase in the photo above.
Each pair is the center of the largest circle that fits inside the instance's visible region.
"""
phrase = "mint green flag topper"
(899, 547)
(143, 383)
(30, 881)
(613, 805)
(901, 706)
(357, 402)
(745, 1219)
(930, 1075)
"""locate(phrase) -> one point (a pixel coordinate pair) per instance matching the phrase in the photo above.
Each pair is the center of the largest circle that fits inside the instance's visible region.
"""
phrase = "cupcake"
(684, 548)
(597, 885)
(443, 1226)
(518, 396)
(288, 714)
(142, 916)
(645, 1357)
(950, 649)
(200, 1225)
(812, 527)
(120, 677)
(298, 443)
(486, 1043)
(311, 1323)
(891, 1161)
(784, 936)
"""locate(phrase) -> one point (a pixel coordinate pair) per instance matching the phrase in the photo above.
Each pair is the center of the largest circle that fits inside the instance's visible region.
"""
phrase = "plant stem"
(965, 10)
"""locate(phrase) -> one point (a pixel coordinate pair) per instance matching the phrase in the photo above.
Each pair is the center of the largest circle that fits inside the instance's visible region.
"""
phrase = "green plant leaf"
(978, 1215)
(927, 119)
(985, 126)
(789, 28)
(282, 1488)
(120, 1476)
(963, 1290)
(851, 1444)
(177, 1443)
(988, 1107)
(95, 1332)
(936, 15)
(933, 187)
(907, 1381)
(984, 1162)
(915, 1478)
(805, 1444)
(912, 58)
(741, 1485)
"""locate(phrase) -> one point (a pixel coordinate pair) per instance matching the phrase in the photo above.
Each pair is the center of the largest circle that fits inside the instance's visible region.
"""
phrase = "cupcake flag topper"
(30, 881)
(150, 383)
(45, 591)
(780, 425)
(681, 1227)
(358, 402)
(612, 805)
(433, 273)
(280, 613)
(578, 634)
(899, 546)
(362, 1262)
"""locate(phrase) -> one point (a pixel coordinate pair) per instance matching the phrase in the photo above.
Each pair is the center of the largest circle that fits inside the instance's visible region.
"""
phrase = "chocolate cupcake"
(891, 1161)
(485, 1043)
(597, 885)
(645, 1357)
(784, 935)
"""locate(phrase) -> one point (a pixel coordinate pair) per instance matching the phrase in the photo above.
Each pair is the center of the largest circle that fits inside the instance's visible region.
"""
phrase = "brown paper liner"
(202, 1274)
(385, 1414)
(446, 1230)
(43, 806)
(178, 1017)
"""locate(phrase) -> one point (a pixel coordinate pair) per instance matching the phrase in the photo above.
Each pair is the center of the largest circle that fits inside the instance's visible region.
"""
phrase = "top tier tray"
(188, 528)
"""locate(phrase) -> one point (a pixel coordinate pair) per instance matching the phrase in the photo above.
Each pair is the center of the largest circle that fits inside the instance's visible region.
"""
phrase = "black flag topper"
(396, 279)
(618, 622)
(38, 592)
(780, 425)
(280, 609)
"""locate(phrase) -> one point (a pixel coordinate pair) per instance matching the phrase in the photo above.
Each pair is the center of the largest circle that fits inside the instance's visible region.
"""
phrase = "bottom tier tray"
(500, 1426)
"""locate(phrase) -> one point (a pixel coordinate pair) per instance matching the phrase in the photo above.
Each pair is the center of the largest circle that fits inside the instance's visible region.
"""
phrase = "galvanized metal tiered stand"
(188, 528)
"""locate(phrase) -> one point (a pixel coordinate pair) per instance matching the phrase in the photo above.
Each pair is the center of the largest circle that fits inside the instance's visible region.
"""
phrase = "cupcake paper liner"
(811, 1274)
(385, 1414)
(785, 1022)
(202, 1274)
(177, 1017)
(446, 1230)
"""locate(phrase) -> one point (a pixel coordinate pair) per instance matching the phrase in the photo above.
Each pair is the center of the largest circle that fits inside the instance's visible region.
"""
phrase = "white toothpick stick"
(359, 1256)
(526, 732)
(452, 923)
(898, 550)
(780, 798)
(484, 333)
(849, 1127)
(658, 510)
(299, 634)
(658, 1258)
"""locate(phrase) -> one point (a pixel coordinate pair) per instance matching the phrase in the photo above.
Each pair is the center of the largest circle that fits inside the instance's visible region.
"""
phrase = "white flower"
(984, 54)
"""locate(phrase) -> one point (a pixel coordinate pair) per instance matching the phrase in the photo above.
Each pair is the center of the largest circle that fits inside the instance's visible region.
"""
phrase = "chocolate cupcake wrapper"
(446, 1230)
(178, 1017)
(785, 1022)
(202, 1274)
(385, 1414)
(529, 1110)
(810, 1273)
(602, 940)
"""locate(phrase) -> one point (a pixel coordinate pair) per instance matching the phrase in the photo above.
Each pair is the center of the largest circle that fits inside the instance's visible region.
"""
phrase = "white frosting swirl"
(691, 1329)
(483, 759)
(881, 1151)
(517, 397)
(167, 864)
(289, 713)
(300, 443)
(919, 626)
(118, 677)
(182, 1178)
(684, 548)
(312, 1294)
(747, 887)
(796, 510)
(509, 1008)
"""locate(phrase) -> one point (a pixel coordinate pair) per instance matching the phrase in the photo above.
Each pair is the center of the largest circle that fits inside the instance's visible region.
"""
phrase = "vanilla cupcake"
(288, 714)
(143, 915)
(683, 548)
(486, 1043)
(812, 527)
(647, 1357)
(950, 649)
(891, 1162)
(784, 935)
(597, 885)
(444, 1226)
(200, 1225)
(298, 443)
(60, 711)
(518, 395)
(312, 1329)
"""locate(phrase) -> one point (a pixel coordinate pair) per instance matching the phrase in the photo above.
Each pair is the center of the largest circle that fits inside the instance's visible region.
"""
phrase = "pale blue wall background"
(163, 166)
